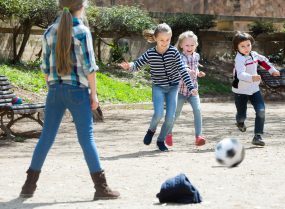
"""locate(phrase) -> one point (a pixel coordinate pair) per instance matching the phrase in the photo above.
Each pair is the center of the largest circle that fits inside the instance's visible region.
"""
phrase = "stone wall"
(218, 45)
(32, 49)
(255, 8)
(232, 15)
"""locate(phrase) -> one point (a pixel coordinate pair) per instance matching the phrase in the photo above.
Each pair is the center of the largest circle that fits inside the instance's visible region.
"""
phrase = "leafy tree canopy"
(122, 20)
(40, 12)
(183, 22)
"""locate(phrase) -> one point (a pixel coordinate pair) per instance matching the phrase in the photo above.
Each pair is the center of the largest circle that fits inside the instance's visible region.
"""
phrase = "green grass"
(114, 87)
(109, 89)
(211, 86)
(31, 80)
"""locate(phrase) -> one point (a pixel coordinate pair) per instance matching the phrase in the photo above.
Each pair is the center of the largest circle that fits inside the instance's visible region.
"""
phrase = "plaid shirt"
(82, 55)
(192, 61)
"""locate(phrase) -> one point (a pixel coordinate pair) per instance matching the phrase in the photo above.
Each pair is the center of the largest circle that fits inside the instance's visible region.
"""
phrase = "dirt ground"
(138, 171)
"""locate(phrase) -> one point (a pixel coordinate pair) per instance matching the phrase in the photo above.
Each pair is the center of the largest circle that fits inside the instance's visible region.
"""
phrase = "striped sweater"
(165, 69)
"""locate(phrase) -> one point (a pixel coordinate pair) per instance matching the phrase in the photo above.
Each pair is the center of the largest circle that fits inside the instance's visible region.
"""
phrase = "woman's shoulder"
(51, 30)
(173, 48)
(254, 53)
(81, 32)
(196, 55)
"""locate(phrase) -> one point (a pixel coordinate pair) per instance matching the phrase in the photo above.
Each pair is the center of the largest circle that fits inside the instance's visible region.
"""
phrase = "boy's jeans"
(258, 104)
(159, 95)
(61, 97)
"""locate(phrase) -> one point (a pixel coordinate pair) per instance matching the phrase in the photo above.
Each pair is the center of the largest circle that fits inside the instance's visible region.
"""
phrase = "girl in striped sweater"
(166, 69)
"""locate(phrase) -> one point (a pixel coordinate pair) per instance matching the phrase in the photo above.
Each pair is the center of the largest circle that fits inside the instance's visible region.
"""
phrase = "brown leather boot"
(103, 191)
(30, 185)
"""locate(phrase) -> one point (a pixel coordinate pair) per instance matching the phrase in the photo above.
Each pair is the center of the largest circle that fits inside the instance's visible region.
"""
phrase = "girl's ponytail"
(149, 35)
(64, 35)
(63, 44)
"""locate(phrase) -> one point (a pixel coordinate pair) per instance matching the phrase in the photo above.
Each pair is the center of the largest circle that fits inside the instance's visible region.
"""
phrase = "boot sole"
(257, 144)
(242, 129)
(105, 198)
(26, 195)
(200, 144)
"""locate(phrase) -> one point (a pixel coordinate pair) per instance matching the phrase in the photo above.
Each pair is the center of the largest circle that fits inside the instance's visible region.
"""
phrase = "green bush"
(259, 27)
(183, 22)
(26, 14)
(119, 21)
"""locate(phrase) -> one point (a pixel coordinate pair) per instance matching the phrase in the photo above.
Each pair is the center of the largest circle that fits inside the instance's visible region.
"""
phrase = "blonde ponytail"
(150, 35)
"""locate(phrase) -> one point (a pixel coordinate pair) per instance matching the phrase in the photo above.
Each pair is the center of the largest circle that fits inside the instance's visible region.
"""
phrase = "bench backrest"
(7, 95)
(272, 81)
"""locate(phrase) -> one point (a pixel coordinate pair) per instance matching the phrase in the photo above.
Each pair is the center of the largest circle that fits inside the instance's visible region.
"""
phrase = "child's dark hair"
(240, 37)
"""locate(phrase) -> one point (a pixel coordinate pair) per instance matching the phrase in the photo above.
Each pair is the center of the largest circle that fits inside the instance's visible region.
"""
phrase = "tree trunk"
(16, 33)
(39, 54)
(27, 31)
(99, 49)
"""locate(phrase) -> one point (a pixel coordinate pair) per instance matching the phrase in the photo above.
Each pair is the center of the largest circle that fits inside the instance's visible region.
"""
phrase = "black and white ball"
(229, 152)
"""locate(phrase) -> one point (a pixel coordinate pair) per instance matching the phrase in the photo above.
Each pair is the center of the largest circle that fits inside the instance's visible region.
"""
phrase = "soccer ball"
(229, 152)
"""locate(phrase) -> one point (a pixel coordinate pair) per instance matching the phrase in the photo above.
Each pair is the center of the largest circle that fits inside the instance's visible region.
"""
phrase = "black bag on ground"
(178, 190)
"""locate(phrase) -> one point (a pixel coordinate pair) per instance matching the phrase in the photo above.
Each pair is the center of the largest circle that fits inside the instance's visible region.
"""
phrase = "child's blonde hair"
(150, 35)
(182, 36)
(64, 35)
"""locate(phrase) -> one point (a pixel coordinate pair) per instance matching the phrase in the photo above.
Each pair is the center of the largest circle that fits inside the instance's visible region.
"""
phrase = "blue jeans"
(194, 101)
(159, 95)
(61, 97)
(258, 104)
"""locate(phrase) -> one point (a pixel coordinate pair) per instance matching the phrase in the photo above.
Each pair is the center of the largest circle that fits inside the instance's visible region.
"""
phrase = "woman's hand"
(201, 74)
(94, 101)
(256, 78)
(125, 65)
(194, 92)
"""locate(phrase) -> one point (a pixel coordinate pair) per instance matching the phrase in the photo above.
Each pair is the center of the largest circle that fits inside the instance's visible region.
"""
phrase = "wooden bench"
(272, 84)
(10, 114)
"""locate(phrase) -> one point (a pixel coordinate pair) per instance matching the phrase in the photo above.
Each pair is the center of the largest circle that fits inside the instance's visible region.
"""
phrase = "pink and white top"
(192, 63)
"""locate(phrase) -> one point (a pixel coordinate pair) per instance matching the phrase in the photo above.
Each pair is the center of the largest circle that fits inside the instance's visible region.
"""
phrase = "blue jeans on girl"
(258, 104)
(159, 95)
(61, 97)
(194, 101)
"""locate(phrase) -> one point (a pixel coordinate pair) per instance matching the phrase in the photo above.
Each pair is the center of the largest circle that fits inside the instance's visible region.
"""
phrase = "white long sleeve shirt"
(245, 68)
